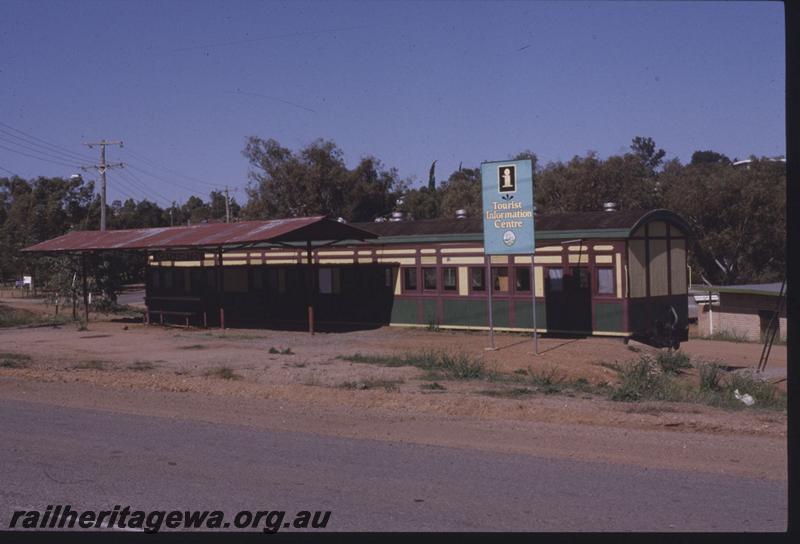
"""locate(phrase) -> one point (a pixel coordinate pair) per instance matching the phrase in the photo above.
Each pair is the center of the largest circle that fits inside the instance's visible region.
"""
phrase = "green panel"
(429, 311)
(404, 311)
(608, 316)
(465, 312)
(500, 313)
(522, 314)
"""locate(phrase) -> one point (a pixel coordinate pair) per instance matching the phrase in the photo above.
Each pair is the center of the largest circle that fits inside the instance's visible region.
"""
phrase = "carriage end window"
(450, 279)
(409, 279)
(523, 279)
(429, 279)
(477, 279)
(500, 279)
(605, 281)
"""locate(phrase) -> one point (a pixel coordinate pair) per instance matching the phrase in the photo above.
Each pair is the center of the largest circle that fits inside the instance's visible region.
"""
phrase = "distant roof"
(296, 229)
(766, 289)
(618, 223)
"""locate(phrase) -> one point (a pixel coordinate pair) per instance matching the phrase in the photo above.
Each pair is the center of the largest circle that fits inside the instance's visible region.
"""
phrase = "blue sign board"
(507, 207)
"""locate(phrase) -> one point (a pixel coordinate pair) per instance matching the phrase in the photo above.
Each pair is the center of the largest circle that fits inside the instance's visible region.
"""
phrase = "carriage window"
(258, 279)
(500, 279)
(325, 281)
(523, 277)
(605, 281)
(555, 279)
(409, 279)
(449, 279)
(583, 276)
(167, 278)
(429, 279)
(477, 279)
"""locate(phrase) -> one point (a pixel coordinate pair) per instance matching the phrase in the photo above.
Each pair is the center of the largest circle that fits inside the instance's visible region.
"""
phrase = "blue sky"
(183, 83)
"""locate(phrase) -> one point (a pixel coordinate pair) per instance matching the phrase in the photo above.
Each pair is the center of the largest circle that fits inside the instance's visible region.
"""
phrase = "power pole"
(227, 206)
(102, 167)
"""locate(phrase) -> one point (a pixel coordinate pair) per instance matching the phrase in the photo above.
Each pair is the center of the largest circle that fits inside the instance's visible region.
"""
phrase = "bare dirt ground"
(149, 369)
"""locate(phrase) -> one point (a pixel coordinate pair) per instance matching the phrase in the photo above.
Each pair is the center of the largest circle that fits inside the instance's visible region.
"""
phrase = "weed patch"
(437, 363)
(13, 317)
(673, 362)
(387, 385)
(141, 366)
(222, 372)
(194, 346)
(433, 386)
(90, 365)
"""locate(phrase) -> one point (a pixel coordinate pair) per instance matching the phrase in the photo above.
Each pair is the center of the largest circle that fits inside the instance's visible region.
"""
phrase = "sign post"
(508, 221)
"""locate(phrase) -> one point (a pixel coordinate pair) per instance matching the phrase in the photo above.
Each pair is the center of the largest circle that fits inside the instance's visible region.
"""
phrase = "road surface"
(97, 459)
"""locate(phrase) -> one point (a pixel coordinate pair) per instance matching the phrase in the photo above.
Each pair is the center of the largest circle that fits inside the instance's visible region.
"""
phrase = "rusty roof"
(627, 220)
(297, 229)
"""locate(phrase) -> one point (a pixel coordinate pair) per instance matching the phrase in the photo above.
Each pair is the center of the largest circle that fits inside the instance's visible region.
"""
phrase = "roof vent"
(461, 213)
(398, 216)
(341, 220)
(610, 207)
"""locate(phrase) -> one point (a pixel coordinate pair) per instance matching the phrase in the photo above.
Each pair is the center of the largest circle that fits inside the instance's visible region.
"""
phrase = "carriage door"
(578, 295)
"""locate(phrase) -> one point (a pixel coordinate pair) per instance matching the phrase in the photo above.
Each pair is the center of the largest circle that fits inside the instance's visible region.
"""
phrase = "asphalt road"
(93, 459)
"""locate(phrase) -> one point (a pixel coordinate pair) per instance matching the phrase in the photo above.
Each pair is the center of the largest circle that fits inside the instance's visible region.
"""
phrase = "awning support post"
(310, 285)
(219, 289)
(85, 289)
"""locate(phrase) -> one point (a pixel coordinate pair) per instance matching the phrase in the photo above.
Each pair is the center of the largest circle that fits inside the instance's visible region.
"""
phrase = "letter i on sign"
(507, 178)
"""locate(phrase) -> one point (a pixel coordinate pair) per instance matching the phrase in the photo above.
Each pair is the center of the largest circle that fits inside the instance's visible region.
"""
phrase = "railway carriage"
(609, 273)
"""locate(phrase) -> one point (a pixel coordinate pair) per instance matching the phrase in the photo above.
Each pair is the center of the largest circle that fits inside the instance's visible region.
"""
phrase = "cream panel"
(337, 261)
(428, 260)
(658, 268)
(187, 264)
(463, 280)
(226, 255)
(462, 260)
(364, 260)
(396, 251)
(579, 248)
(236, 262)
(368, 252)
(462, 250)
(523, 259)
(538, 276)
(401, 260)
(678, 263)
(583, 259)
(281, 261)
(427, 251)
(658, 228)
(547, 259)
(636, 263)
(499, 259)
(603, 259)
(398, 290)
(549, 248)
(619, 275)
(208, 262)
(281, 253)
(324, 253)
(603, 248)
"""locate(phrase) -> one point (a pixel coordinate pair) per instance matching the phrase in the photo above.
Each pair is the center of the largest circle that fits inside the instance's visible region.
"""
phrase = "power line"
(137, 182)
(9, 171)
(42, 151)
(162, 167)
(45, 142)
(61, 163)
(192, 190)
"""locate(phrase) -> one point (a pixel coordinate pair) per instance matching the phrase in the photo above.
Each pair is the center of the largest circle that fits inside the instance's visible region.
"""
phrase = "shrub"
(438, 364)
(640, 380)
(222, 372)
(710, 377)
(673, 362)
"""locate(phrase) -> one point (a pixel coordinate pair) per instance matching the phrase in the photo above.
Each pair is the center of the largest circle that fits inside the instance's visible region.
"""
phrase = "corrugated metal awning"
(297, 229)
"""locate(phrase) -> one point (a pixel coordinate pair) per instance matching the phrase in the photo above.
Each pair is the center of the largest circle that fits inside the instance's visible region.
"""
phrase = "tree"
(314, 181)
(645, 150)
(462, 190)
(709, 157)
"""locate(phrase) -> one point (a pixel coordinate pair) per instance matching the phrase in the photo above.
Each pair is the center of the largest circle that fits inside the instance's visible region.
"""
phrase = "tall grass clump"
(673, 362)
(438, 364)
(643, 379)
